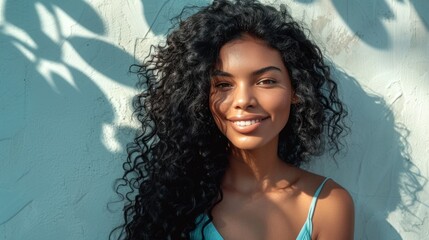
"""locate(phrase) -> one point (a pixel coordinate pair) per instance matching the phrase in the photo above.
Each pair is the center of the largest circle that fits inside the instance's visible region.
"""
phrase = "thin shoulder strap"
(313, 202)
(307, 228)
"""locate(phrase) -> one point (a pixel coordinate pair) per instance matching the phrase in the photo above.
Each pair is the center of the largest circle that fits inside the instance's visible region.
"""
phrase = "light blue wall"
(62, 78)
(65, 115)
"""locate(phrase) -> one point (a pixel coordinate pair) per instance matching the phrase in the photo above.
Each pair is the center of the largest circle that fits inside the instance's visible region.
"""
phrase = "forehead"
(248, 52)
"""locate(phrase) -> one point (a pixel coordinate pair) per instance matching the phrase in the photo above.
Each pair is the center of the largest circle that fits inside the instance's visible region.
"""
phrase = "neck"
(255, 170)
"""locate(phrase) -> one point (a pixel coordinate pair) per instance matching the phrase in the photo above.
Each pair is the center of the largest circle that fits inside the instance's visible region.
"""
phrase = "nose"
(244, 97)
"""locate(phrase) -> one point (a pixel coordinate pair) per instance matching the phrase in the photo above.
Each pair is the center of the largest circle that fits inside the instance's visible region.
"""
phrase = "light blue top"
(211, 233)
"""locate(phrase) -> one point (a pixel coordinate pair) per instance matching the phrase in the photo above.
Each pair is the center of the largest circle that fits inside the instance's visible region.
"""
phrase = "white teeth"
(246, 123)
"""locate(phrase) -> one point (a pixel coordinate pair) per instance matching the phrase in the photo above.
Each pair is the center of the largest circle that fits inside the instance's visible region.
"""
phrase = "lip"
(254, 120)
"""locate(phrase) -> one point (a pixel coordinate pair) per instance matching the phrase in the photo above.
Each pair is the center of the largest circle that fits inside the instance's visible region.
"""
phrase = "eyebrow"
(221, 73)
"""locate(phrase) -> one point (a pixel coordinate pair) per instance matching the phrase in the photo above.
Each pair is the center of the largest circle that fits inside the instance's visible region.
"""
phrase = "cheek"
(284, 112)
(282, 104)
(218, 110)
(279, 106)
(219, 104)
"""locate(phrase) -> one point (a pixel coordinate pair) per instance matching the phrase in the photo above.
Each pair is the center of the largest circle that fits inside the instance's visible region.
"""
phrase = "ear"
(295, 99)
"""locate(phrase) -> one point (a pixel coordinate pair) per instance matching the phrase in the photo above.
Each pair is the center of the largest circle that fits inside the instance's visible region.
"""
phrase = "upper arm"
(334, 214)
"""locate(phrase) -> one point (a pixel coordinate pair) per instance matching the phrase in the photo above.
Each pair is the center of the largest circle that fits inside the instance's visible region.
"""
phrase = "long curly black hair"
(176, 164)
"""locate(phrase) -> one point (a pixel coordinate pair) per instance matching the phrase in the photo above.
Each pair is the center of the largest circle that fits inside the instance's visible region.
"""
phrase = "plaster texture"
(65, 109)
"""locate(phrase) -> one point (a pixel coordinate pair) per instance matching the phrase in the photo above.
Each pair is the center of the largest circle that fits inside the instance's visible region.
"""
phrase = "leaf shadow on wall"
(376, 168)
(158, 14)
(55, 169)
(375, 12)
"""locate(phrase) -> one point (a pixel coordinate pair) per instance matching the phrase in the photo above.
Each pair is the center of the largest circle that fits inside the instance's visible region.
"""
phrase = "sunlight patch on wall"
(49, 23)
(25, 51)
(19, 34)
(47, 68)
(108, 138)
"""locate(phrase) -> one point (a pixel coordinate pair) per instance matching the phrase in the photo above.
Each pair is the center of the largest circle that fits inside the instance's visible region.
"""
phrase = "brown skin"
(265, 198)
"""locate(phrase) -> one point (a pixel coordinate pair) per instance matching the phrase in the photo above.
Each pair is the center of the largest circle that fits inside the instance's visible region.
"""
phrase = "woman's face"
(250, 94)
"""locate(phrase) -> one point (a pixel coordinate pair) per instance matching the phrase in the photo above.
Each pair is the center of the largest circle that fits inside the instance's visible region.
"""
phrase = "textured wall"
(65, 112)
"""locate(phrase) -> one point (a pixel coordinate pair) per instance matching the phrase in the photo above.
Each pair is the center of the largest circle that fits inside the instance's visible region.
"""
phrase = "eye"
(266, 81)
(223, 85)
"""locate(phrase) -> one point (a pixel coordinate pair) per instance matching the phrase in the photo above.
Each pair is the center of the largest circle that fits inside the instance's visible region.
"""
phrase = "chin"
(248, 144)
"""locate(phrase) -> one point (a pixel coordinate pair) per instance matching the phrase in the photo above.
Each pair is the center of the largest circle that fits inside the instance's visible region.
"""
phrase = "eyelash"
(264, 81)
(267, 81)
(222, 85)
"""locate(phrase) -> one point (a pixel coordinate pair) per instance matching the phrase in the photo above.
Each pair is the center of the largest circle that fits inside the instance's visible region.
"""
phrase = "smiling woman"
(232, 104)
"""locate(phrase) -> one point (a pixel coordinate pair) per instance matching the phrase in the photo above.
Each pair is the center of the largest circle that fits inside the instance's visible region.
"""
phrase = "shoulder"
(334, 215)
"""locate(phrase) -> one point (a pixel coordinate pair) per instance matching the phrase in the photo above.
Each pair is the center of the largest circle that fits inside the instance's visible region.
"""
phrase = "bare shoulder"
(334, 213)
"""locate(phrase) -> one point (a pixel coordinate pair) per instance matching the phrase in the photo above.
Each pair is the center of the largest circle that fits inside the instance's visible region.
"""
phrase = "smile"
(246, 123)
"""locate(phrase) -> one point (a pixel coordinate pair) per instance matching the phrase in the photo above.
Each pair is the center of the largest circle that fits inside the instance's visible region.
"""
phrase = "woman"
(232, 104)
